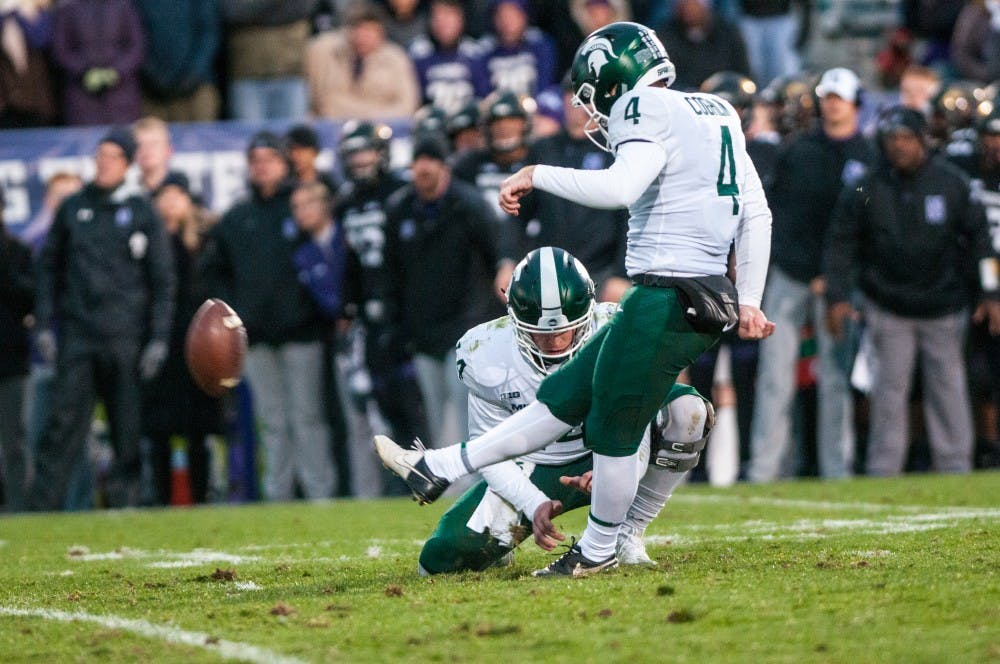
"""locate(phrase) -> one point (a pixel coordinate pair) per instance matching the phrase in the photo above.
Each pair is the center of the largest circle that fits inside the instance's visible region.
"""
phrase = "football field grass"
(903, 570)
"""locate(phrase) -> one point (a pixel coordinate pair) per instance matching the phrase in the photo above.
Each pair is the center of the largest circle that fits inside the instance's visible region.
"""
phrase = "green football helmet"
(610, 62)
(550, 293)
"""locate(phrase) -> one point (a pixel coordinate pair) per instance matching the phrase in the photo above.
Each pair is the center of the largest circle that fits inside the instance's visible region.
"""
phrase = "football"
(215, 347)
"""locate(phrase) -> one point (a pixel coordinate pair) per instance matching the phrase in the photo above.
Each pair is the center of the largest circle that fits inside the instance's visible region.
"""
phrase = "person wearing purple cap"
(519, 58)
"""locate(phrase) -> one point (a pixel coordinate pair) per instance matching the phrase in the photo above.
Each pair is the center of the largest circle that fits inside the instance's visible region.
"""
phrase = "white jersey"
(687, 218)
(501, 381)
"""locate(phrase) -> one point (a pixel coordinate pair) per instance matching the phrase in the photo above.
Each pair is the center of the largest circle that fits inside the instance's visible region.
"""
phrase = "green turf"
(904, 570)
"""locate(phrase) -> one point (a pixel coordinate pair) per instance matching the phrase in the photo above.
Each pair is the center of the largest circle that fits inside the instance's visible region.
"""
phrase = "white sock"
(527, 430)
(723, 452)
(655, 489)
(616, 480)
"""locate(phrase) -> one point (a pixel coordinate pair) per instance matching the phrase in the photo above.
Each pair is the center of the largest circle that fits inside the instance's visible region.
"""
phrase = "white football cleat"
(410, 466)
(631, 549)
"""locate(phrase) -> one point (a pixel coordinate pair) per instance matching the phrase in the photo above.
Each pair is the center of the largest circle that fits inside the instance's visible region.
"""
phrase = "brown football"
(215, 347)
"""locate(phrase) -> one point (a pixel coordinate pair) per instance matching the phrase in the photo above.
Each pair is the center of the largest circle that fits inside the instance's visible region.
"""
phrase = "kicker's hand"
(754, 324)
(579, 482)
(546, 535)
(513, 188)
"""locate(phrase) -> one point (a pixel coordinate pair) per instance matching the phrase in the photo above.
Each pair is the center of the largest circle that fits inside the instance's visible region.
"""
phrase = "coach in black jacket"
(247, 261)
(106, 274)
(441, 255)
(909, 234)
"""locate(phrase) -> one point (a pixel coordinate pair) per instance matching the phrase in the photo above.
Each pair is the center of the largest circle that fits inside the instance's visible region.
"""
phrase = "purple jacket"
(449, 78)
(525, 69)
(99, 33)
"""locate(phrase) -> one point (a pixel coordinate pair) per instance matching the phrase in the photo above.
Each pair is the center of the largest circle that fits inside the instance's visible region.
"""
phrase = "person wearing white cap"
(809, 174)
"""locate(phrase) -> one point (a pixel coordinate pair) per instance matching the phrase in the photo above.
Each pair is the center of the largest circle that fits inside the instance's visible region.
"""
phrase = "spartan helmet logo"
(599, 53)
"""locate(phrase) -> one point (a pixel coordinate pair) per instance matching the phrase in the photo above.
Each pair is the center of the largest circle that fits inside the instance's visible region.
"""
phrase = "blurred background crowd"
(355, 281)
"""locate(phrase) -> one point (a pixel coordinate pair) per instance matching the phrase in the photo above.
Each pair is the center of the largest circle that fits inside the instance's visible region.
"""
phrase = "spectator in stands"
(519, 58)
(266, 41)
(595, 237)
(106, 274)
(894, 58)
(975, 42)
(99, 46)
(183, 38)
(918, 86)
(809, 175)
(153, 152)
(592, 15)
(405, 21)
(449, 68)
(701, 43)
(909, 234)
(303, 151)
(27, 96)
(174, 405)
(247, 261)
(440, 254)
(17, 290)
(770, 30)
(355, 73)
(933, 22)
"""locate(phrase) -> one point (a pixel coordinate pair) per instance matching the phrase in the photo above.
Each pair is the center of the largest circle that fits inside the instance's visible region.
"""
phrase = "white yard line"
(821, 528)
(173, 558)
(221, 647)
(822, 504)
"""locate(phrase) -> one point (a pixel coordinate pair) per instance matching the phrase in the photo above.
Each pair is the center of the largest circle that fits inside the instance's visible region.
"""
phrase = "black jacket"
(17, 290)
(808, 177)
(247, 262)
(596, 237)
(106, 269)
(908, 242)
(441, 258)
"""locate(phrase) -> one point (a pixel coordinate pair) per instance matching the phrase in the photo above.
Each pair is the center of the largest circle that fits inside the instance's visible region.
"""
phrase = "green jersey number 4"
(632, 110)
(722, 186)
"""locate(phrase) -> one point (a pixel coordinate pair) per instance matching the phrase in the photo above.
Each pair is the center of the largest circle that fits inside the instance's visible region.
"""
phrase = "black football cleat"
(573, 564)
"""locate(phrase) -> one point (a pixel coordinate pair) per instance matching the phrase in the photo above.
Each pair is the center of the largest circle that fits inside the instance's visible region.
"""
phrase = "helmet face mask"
(610, 62)
(550, 293)
(364, 138)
